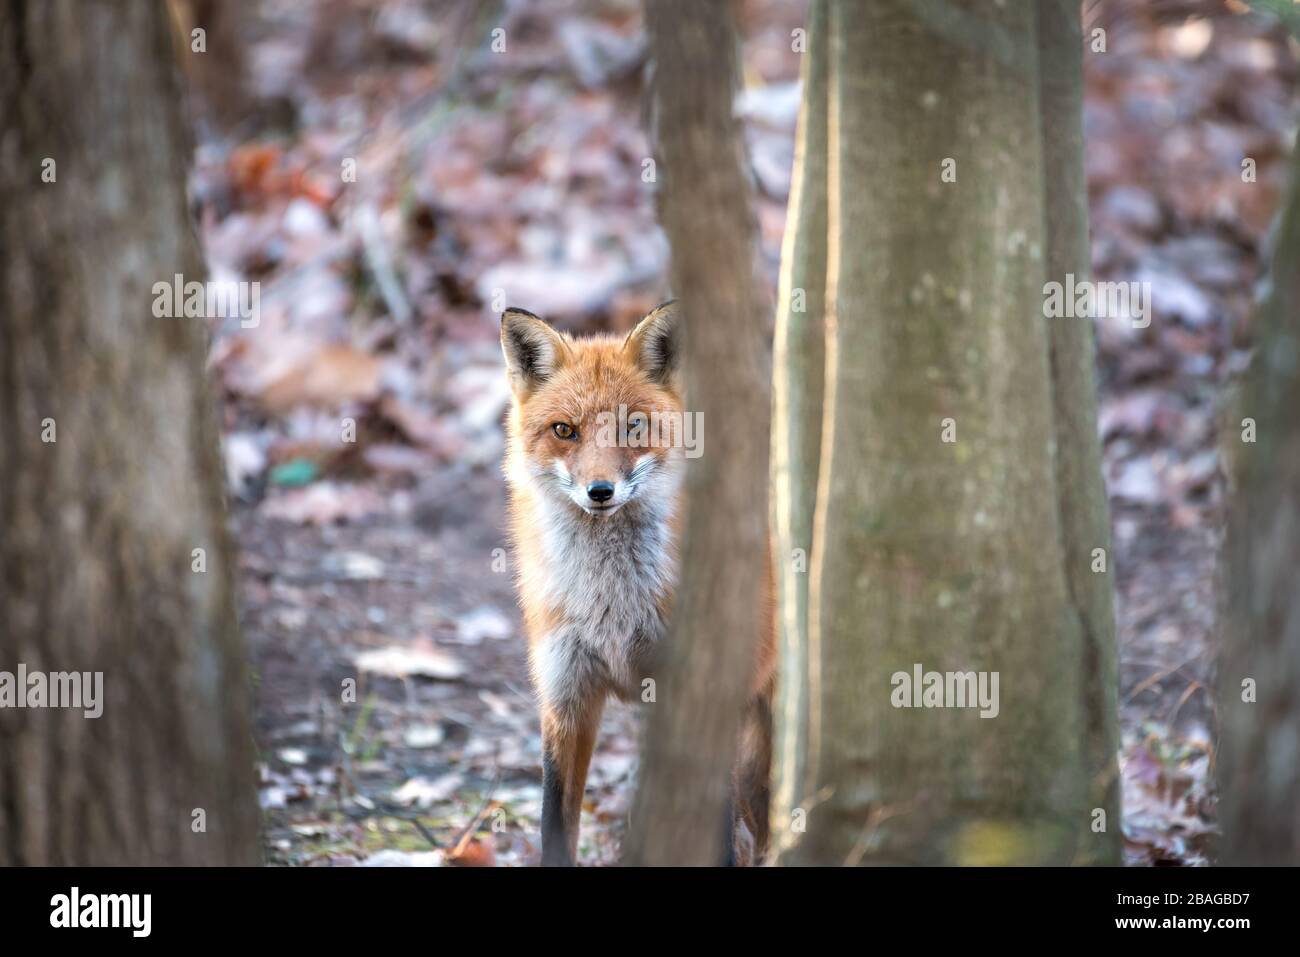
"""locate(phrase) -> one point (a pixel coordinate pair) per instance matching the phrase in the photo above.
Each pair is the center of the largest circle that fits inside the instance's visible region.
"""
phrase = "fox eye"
(563, 430)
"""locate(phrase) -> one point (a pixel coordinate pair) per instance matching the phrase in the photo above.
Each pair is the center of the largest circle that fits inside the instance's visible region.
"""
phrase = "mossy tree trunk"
(949, 530)
(110, 476)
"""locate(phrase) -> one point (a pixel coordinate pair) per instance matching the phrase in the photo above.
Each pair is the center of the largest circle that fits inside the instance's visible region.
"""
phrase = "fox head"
(596, 422)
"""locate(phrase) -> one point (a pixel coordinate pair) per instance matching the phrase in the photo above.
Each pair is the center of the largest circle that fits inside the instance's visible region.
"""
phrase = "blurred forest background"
(389, 170)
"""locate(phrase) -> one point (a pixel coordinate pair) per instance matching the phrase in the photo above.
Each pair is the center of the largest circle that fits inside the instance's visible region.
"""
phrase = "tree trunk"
(217, 72)
(1084, 516)
(109, 470)
(1259, 673)
(938, 537)
(797, 385)
(680, 815)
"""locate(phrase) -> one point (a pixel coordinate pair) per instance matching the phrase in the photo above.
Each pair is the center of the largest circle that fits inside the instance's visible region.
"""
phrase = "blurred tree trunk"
(110, 476)
(218, 72)
(1259, 672)
(680, 814)
(940, 537)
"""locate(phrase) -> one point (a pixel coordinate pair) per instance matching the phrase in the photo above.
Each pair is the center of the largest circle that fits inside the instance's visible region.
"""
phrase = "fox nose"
(600, 491)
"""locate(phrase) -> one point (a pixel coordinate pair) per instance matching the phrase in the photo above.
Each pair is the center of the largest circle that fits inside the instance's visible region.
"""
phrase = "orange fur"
(596, 577)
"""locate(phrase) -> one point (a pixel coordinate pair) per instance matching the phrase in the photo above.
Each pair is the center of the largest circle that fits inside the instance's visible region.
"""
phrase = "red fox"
(595, 524)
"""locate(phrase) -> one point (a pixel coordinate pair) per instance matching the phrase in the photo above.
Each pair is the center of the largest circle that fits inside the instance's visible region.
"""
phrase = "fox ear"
(533, 350)
(654, 344)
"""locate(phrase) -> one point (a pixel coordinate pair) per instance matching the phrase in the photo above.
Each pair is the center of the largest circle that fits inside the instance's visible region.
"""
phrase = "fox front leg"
(568, 740)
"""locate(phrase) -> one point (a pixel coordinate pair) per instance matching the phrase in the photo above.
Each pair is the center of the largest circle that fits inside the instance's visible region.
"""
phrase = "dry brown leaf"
(474, 853)
(333, 375)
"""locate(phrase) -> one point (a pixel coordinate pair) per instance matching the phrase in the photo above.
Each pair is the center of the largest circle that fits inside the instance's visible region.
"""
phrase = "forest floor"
(362, 415)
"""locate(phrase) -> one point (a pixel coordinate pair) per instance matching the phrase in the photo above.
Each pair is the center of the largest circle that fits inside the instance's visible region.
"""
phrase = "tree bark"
(1259, 675)
(797, 386)
(1084, 515)
(950, 555)
(680, 814)
(100, 524)
(218, 74)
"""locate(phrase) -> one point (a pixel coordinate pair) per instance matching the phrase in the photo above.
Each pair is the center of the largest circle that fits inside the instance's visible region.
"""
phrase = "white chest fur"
(608, 577)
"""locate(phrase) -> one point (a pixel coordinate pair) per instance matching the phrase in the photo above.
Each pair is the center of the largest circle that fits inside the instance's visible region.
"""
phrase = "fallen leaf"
(323, 504)
(483, 622)
(422, 792)
(394, 858)
(354, 566)
(474, 853)
(420, 736)
(329, 377)
(399, 661)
